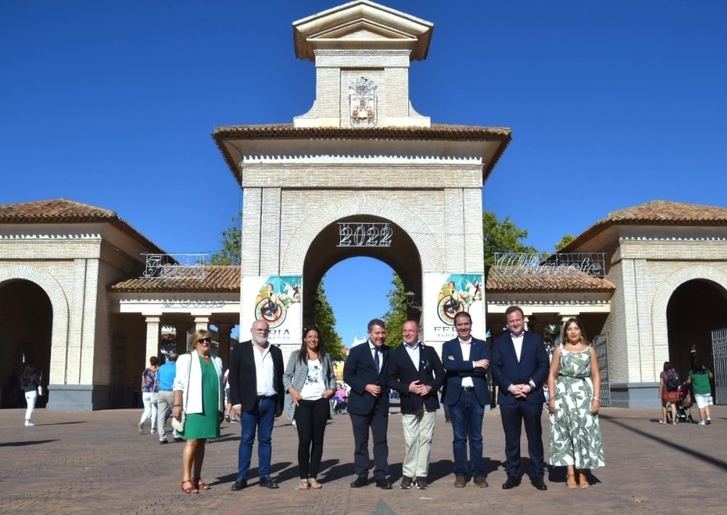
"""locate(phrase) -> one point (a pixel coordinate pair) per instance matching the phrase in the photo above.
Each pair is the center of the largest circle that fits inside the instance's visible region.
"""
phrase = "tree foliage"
(326, 321)
(565, 240)
(231, 245)
(397, 315)
(502, 236)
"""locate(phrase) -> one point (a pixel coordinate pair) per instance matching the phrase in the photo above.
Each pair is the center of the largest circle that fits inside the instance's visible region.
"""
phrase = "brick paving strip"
(81, 462)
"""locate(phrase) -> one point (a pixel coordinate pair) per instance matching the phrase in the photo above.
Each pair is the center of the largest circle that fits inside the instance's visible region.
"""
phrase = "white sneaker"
(153, 431)
(702, 423)
(28, 423)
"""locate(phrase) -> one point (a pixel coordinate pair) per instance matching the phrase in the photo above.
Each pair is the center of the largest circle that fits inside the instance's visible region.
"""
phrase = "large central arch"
(323, 253)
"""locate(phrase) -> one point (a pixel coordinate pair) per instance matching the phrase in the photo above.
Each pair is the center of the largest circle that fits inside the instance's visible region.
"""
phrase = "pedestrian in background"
(699, 378)
(669, 393)
(165, 394)
(29, 382)
(148, 380)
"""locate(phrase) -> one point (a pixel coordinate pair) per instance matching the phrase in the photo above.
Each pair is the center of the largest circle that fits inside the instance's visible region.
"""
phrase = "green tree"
(397, 315)
(231, 245)
(502, 236)
(326, 321)
(565, 240)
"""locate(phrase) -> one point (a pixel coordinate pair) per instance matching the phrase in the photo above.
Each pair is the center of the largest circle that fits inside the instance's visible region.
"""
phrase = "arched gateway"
(361, 174)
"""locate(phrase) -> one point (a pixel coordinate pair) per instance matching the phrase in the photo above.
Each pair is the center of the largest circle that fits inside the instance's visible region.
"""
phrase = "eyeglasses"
(204, 340)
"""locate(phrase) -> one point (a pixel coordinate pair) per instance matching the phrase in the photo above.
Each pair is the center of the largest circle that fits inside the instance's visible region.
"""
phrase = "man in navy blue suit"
(520, 365)
(368, 404)
(466, 392)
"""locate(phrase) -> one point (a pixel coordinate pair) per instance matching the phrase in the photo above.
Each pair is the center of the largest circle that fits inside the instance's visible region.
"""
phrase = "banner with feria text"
(445, 295)
(277, 300)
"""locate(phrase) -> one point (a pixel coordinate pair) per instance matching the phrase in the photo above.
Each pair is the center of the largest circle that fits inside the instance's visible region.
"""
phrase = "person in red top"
(669, 392)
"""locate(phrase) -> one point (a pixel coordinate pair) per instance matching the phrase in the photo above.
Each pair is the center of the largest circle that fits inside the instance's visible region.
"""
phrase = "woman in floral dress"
(574, 380)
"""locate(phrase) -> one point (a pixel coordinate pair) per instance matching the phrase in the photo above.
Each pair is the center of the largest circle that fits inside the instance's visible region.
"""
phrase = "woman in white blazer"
(199, 394)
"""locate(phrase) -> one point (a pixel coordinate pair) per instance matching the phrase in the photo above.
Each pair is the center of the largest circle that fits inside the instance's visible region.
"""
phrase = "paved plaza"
(83, 462)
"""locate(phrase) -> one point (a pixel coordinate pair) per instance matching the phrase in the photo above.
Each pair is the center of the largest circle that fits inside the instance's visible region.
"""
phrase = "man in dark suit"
(520, 365)
(368, 404)
(256, 393)
(415, 371)
(466, 392)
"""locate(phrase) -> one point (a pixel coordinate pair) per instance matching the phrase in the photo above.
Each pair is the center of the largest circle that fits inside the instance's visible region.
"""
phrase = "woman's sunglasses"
(204, 340)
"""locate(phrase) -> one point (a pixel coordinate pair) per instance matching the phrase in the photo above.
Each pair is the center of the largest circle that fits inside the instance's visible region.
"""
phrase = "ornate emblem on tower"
(362, 101)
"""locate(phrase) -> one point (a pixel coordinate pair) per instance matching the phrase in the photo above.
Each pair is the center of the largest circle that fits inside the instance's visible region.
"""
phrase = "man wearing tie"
(466, 392)
(416, 372)
(368, 404)
(520, 365)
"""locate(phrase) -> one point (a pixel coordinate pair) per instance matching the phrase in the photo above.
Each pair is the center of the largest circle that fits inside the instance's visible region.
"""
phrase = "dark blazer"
(360, 370)
(243, 378)
(533, 365)
(400, 372)
(457, 368)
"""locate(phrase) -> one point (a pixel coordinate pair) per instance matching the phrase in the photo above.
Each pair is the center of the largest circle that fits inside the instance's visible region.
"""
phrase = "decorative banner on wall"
(445, 295)
(275, 299)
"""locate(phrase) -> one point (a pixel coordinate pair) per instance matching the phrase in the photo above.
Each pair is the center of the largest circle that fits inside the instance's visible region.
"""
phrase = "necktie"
(377, 360)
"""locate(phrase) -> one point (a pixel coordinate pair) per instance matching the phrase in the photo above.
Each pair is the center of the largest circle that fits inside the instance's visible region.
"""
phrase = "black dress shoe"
(510, 483)
(383, 483)
(268, 482)
(539, 483)
(359, 482)
(239, 484)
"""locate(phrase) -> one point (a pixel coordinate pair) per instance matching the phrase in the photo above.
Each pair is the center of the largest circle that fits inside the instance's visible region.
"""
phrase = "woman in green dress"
(574, 382)
(198, 392)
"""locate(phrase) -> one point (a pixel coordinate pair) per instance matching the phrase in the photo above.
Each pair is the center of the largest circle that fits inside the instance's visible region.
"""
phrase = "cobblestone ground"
(97, 462)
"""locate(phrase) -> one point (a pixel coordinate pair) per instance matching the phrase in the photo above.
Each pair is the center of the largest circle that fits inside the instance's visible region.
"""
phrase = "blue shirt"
(165, 375)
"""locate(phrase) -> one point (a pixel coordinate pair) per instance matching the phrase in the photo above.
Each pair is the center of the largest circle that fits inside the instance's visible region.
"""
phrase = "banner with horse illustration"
(445, 295)
(278, 302)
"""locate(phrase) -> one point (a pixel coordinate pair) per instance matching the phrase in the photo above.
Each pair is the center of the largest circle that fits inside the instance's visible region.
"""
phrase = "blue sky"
(611, 104)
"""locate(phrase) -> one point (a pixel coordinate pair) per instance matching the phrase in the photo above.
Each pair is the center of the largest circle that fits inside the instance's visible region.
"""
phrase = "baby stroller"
(684, 412)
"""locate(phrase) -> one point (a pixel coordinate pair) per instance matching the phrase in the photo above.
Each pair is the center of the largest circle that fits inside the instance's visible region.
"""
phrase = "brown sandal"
(189, 488)
(201, 485)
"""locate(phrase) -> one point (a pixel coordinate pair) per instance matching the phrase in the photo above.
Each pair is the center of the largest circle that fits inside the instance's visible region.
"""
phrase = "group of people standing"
(518, 361)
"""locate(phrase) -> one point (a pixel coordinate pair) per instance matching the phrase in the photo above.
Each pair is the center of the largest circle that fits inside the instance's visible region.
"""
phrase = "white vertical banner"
(445, 295)
(277, 300)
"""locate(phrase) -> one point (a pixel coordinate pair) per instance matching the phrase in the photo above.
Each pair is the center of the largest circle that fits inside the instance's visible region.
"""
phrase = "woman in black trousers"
(310, 383)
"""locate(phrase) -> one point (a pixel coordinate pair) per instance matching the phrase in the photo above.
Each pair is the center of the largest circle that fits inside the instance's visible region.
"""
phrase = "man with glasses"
(256, 393)
(416, 372)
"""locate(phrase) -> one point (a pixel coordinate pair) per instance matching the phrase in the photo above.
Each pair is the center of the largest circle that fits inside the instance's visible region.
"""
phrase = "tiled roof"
(524, 280)
(54, 211)
(437, 131)
(218, 279)
(657, 212)
(62, 211)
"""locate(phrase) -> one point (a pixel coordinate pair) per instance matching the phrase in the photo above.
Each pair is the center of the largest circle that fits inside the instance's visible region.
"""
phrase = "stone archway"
(695, 309)
(363, 205)
(701, 276)
(26, 321)
(44, 284)
(323, 253)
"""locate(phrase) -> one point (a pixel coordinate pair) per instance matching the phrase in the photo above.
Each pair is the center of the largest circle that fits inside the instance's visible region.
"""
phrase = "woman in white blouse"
(310, 381)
